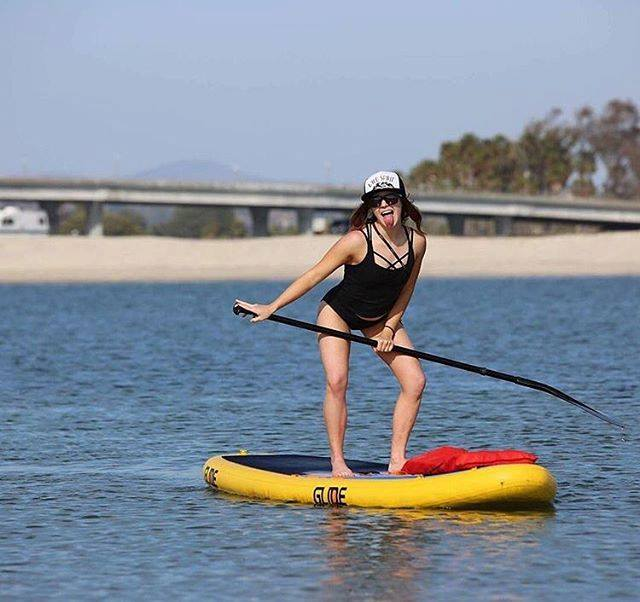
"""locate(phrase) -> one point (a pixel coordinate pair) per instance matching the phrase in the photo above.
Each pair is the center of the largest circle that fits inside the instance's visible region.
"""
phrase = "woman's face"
(387, 209)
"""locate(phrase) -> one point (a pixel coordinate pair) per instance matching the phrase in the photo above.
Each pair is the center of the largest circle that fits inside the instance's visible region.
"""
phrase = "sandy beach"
(117, 259)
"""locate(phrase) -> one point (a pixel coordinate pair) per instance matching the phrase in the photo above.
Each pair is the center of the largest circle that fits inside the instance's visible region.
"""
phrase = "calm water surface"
(112, 397)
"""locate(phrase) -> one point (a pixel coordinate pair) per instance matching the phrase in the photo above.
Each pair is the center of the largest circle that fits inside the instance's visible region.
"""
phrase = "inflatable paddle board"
(308, 480)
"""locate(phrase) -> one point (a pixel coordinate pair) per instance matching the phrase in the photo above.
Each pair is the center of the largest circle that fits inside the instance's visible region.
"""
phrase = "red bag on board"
(447, 459)
(436, 461)
(477, 459)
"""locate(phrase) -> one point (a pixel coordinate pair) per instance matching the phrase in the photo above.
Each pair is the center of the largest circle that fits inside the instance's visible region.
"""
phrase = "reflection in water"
(392, 553)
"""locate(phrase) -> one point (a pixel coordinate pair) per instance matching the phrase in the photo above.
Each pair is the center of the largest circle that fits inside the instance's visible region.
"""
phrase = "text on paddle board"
(329, 496)
(210, 475)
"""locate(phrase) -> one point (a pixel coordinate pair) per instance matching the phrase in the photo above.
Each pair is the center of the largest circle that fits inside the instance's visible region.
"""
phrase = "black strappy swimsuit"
(369, 290)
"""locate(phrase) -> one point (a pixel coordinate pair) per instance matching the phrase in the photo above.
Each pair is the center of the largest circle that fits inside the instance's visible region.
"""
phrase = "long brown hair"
(361, 215)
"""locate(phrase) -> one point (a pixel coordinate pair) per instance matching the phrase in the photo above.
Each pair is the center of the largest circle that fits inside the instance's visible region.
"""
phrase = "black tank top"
(370, 289)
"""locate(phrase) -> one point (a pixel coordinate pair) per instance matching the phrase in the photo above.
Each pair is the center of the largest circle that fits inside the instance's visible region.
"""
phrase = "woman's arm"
(348, 248)
(399, 307)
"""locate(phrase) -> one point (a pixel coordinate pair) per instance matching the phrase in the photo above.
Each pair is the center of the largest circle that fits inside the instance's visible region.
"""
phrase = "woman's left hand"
(385, 341)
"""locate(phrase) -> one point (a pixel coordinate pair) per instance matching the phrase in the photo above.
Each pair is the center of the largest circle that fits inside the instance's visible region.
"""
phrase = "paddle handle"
(347, 336)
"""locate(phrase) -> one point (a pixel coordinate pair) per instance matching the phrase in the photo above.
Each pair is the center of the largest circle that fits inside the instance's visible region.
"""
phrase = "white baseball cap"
(383, 180)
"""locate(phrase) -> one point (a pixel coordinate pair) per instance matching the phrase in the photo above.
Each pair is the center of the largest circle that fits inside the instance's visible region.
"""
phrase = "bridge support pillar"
(504, 226)
(260, 217)
(53, 213)
(305, 217)
(94, 219)
(456, 225)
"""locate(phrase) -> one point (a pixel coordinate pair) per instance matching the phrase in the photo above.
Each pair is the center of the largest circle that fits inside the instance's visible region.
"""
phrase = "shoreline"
(68, 259)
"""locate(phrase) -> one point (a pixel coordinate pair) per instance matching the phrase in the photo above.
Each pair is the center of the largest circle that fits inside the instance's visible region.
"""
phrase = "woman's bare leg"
(335, 359)
(412, 381)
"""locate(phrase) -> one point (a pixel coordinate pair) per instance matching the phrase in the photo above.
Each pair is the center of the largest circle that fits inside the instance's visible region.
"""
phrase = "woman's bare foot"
(340, 469)
(395, 466)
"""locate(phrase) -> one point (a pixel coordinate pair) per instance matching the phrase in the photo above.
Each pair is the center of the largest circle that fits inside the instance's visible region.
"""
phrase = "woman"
(381, 258)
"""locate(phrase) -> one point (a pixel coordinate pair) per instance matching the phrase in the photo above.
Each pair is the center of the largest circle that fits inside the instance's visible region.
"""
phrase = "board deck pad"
(295, 464)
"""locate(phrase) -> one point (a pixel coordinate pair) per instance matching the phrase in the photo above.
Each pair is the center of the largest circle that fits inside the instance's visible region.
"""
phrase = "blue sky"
(294, 90)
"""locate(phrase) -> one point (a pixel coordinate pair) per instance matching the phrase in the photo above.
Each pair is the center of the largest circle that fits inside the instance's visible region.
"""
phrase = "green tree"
(426, 174)
(545, 149)
(585, 167)
(201, 222)
(125, 223)
(456, 161)
(550, 155)
(585, 161)
(470, 163)
(75, 222)
(496, 164)
(614, 137)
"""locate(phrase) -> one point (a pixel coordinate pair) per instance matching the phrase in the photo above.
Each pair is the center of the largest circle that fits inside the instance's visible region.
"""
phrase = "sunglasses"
(390, 198)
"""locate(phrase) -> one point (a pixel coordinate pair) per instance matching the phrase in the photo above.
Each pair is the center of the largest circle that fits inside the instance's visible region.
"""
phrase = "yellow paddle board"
(308, 480)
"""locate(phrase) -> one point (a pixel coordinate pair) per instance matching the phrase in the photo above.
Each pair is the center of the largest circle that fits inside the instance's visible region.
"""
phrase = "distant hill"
(196, 170)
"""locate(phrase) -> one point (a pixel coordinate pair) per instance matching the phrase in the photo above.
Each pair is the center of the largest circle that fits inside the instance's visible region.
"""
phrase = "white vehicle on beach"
(18, 220)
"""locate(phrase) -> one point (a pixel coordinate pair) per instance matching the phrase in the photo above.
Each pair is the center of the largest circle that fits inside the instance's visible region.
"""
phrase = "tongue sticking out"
(388, 220)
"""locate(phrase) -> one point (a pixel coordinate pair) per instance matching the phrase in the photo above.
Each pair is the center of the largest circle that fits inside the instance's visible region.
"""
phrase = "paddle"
(429, 357)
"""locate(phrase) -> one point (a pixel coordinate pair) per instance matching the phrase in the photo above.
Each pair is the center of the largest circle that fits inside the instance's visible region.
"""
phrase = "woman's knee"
(415, 385)
(337, 383)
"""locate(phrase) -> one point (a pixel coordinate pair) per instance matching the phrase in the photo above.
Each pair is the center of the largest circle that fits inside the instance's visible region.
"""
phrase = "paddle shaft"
(430, 357)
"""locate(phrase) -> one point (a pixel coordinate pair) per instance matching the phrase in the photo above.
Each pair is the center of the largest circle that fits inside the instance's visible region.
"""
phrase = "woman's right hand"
(262, 311)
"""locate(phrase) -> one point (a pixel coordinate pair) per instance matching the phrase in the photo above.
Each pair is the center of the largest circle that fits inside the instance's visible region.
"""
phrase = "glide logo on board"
(329, 496)
(210, 475)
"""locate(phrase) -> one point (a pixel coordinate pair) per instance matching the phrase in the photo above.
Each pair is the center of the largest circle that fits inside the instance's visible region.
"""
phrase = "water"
(112, 397)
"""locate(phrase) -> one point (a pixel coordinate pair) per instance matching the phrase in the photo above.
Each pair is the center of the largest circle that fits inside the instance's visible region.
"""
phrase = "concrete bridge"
(306, 199)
